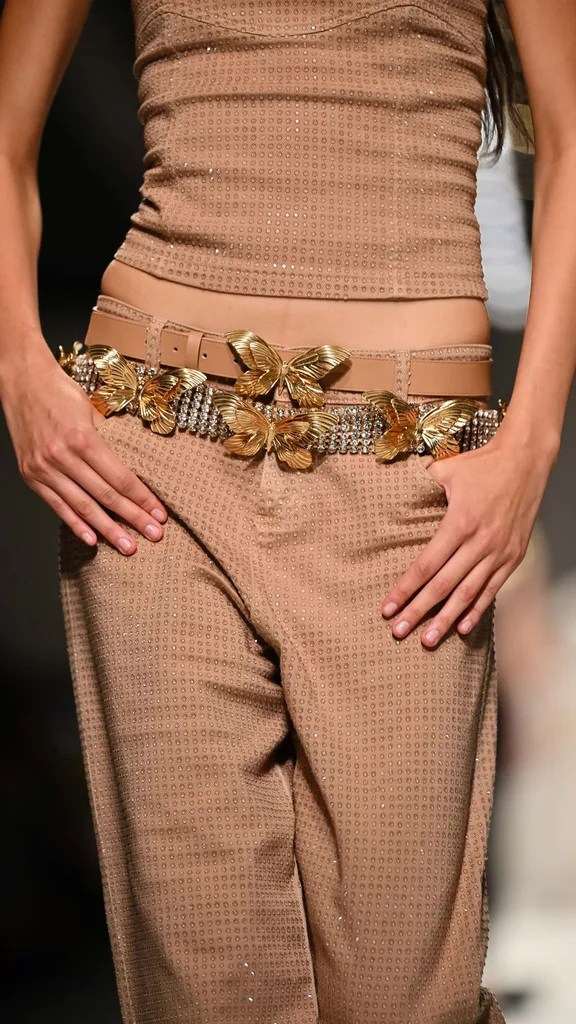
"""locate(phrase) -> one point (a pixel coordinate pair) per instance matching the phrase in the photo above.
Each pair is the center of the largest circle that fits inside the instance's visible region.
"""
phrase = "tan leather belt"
(212, 354)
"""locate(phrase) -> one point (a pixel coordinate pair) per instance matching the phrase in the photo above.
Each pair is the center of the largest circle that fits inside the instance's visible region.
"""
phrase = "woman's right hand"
(64, 459)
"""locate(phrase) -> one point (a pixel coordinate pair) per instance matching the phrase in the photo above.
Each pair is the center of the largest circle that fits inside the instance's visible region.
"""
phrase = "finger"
(451, 575)
(444, 543)
(108, 496)
(103, 460)
(484, 599)
(66, 514)
(462, 597)
(88, 509)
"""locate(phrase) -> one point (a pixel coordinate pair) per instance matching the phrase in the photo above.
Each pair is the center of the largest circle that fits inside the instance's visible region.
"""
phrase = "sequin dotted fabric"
(291, 805)
(311, 148)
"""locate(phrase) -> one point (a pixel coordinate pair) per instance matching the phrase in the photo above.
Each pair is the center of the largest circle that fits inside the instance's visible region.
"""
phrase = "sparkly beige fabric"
(311, 148)
(291, 806)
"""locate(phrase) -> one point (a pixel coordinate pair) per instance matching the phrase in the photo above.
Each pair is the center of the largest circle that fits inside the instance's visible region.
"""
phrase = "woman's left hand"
(493, 498)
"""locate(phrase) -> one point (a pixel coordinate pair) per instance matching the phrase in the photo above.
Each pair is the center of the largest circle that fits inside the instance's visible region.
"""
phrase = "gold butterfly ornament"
(154, 398)
(67, 360)
(266, 370)
(411, 428)
(288, 437)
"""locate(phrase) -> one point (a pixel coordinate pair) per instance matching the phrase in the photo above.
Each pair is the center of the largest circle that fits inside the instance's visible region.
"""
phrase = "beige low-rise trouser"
(291, 806)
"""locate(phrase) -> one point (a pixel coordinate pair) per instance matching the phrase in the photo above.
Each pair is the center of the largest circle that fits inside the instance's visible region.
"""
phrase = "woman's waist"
(357, 325)
(238, 387)
(322, 372)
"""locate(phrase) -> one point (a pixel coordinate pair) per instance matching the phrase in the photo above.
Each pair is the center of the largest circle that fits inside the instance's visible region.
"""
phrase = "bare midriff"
(296, 322)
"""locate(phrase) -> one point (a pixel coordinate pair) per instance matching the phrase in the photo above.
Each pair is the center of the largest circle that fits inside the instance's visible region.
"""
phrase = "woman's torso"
(291, 322)
(308, 153)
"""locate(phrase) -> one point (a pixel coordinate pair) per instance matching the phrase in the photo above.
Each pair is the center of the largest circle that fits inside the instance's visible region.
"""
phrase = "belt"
(183, 398)
(212, 354)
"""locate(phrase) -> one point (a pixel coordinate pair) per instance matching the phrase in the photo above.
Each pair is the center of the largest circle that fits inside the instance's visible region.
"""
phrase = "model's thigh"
(184, 733)
(394, 773)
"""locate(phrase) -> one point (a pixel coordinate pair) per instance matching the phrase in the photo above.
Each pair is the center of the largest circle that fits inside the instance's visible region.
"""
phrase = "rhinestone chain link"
(357, 428)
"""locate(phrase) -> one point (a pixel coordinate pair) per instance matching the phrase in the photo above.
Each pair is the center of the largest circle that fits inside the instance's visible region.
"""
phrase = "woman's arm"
(50, 419)
(546, 40)
(494, 493)
(36, 41)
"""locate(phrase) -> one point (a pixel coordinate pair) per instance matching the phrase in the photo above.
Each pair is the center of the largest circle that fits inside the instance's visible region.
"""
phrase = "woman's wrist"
(23, 356)
(531, 436)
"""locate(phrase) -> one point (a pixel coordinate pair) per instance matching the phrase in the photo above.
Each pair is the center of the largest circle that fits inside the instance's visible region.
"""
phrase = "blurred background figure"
(532, 952)
(501, 213)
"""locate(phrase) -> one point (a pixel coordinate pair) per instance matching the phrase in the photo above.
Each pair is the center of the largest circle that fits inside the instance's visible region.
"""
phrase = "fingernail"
(153, 531)
(88, 538)
(401, 628)
(389, 609)
(466, 626)
(432, 636)
(159, 514)
(125, 544)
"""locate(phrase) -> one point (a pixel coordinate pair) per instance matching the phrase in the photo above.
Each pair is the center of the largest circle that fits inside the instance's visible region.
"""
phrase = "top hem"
(318, 284)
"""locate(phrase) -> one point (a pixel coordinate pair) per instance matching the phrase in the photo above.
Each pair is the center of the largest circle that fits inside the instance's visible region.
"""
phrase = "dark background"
(55, 950)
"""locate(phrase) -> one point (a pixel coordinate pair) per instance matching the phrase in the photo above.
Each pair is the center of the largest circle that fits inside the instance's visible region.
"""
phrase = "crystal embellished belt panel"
(383, 423)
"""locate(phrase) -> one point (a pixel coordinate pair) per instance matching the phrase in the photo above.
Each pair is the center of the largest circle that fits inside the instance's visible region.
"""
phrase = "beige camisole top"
(313, 148)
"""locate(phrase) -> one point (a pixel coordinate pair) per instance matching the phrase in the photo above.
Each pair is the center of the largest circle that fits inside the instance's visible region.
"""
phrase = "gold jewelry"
(68, 360)
(383, 425)
(154, 397)
(414, 428)
(291, 437)
(266, 370)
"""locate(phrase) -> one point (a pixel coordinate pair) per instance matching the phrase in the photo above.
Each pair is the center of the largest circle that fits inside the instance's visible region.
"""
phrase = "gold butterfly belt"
(182, 398)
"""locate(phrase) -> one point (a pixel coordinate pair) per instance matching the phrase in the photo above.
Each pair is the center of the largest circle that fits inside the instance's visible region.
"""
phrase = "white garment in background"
(505, 249)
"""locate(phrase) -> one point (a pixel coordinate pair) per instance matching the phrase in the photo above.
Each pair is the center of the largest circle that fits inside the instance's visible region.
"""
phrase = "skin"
(60, 453)
(493, 494)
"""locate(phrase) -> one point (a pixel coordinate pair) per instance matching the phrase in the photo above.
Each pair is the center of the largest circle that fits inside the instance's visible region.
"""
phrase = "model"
(286, 692)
